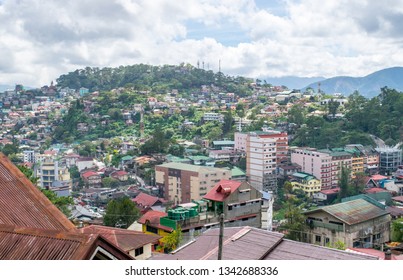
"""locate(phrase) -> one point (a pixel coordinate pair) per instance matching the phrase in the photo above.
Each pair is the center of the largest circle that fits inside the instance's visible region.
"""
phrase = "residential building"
(182, 183)
(208, 117)
(223, 144)
(29, 156)
(238, 201)
(389, 160)
(305, 182)
(92, 179)
(325, 165)
(146, 202)
(137, 244)
(85, 163)
(357, 223)
(264, 152)
(120, 175)
(370, 157)
(248, 243)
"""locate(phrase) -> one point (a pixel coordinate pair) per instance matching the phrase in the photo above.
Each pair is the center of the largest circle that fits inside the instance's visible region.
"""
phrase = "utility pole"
(221, 237)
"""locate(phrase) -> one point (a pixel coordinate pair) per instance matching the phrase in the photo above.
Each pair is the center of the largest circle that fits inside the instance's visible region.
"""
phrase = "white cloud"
(41, 40)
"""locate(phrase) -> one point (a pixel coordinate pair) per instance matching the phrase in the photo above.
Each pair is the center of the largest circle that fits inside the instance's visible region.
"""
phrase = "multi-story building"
(29, 156)
(370, 158)
(319, 164)
(389, 160)
(54, 176)
(208, 117)
(182, 183)
(265, 150)
(305, 182)
(356, 223)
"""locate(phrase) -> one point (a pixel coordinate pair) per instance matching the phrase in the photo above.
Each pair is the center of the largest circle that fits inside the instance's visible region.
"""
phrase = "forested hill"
(159, 79)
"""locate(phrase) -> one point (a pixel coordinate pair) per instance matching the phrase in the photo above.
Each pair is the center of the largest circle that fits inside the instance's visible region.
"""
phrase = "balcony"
(335, 227)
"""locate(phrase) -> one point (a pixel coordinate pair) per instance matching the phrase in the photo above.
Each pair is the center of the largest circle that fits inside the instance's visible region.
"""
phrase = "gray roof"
(247, 243)
(353, 212)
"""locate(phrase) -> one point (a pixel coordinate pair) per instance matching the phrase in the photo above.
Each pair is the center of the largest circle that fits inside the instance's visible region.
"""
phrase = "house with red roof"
(145, 202)
(135, 243)
(92, 179)
(238, 201)
(150, 223)
(120, 175)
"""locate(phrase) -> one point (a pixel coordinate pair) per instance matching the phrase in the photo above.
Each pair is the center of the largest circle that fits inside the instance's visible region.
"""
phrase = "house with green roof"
(357, 223)
(305, 182)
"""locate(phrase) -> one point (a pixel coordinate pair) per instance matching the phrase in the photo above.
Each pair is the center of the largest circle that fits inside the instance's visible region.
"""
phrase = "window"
(138, 251)
(318, 238)
(151, 229)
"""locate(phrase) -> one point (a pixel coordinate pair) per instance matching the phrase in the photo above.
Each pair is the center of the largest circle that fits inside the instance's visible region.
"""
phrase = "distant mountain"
(292, 82)
(368, 86)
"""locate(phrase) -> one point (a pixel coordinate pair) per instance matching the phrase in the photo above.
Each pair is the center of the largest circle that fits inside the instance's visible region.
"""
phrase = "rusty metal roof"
(247, 243)
(353, 212)
(18, 243)
(22, 204)
(125, 239)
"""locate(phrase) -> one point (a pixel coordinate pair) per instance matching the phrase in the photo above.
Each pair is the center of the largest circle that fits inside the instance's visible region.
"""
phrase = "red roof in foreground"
(153, 219)
(222, 190)
(125, 239)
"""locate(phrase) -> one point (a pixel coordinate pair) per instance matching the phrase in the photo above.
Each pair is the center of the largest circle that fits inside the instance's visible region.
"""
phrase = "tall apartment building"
(265, 150)
(370, 158)
(314, 162)
(182, 183)
(54, 176)
(29, 156)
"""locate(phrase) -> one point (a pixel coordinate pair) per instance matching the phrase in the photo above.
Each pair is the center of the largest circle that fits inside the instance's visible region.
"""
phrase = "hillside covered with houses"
(158, 154)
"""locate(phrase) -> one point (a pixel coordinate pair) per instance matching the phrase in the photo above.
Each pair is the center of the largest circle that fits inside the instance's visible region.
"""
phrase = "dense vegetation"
(381, 116)
(158, 79)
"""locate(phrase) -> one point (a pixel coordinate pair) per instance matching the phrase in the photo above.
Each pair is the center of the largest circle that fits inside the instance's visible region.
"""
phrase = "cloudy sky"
(42, 39)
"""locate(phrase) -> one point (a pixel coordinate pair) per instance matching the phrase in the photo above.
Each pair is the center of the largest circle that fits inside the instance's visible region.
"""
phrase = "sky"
(43, 39)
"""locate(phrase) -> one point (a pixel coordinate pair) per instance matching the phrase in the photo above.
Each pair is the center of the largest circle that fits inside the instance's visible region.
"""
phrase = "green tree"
(295, 221)
(109, 182)
(171, 241)
(121, 213)
(397, 230)
(332, 107)
(63, 203)
(344, 182)
(29, 173)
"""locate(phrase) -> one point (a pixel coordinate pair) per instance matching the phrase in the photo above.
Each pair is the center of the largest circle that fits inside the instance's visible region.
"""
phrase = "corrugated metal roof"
(246, 243)
(222, 190)
(353, 212)
(38, 244)
(22, 204)
(123, 238)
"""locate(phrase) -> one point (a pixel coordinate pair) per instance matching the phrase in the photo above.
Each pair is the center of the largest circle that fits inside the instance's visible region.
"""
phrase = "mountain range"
(368, 86)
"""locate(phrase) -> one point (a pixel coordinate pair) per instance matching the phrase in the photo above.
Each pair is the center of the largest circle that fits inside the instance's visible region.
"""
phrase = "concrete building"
(29, 156)
(54, 176)
(264, 152)
(389, 160)
(209, 117)
(325, 164)
(305, 182)
(182, 183)
(313, 162)
(356, 223)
